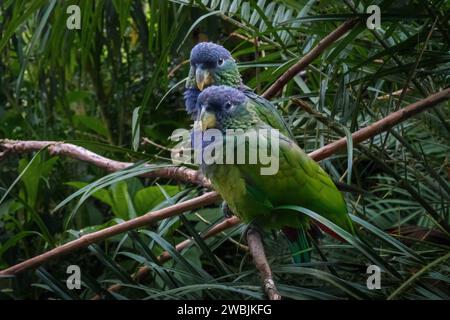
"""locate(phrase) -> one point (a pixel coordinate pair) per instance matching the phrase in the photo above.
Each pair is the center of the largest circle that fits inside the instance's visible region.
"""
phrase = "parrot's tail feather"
(330, 232)
(299, 244)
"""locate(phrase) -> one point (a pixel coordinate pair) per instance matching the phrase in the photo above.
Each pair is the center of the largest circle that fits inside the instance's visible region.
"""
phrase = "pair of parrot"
(216, 97)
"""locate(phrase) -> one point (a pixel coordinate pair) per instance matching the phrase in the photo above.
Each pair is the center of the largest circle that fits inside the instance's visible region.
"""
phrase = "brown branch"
(323, 44)
(88, 156)
(256, 248)
(142, 273)
(85, 155)
(358, 136)
(187, 175)
(382, 125)
(86, 240)
(57, 148)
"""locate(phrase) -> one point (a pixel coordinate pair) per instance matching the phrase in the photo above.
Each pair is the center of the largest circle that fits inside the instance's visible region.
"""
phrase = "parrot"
(213, 64)
(252, 196)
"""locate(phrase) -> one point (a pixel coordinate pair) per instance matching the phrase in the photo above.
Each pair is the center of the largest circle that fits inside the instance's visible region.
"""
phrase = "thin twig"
(323, 44)
(397, 93)
(416, 64)
(416, 275)
(256, 248)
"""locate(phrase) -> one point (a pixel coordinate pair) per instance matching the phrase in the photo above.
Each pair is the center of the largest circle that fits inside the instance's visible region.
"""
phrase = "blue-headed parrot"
(252, 196)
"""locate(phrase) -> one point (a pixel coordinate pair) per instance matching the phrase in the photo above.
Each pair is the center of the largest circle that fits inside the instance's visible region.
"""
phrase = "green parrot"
(252, 196)
(212, 64)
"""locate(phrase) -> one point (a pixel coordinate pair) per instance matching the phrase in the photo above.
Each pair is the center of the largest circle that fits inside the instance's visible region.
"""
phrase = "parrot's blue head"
(209, 54)
(212, 64)
(223, 107)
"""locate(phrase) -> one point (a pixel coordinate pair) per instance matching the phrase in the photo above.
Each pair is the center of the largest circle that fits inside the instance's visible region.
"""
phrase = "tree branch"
(323, 44)
(208, 198)
(256, 248)
(142, 273)
(382, 125)
(57, 148)
(86, 240)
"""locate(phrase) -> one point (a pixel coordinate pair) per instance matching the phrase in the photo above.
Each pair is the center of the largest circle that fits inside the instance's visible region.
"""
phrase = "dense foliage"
(120, 78)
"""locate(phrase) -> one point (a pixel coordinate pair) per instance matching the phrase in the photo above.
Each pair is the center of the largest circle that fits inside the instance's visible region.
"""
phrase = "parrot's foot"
(256, 247)
(226, 210)
(252, 226)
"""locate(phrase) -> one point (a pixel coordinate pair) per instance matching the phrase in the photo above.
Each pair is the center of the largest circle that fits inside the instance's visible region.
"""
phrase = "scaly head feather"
(212, 64)
(223, 107)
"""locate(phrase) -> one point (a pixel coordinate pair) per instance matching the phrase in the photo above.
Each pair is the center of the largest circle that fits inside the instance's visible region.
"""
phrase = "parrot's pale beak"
(203, 78)
(207, 120)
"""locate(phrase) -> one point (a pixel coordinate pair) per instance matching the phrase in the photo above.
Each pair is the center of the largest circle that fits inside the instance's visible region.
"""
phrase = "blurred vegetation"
(129, 62)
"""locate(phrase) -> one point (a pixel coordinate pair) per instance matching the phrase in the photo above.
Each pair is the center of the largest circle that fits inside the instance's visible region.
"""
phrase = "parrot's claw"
(226, 210)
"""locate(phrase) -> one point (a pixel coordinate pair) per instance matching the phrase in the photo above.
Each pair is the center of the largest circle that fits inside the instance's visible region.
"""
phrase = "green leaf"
(102, 195)
(91, 123)
(136, 128)
(55, 285)
(15, 239)
(353, 240)
(146, 199)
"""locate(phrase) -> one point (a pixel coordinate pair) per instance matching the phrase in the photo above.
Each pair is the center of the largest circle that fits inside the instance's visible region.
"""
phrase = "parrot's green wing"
(317, 191)
(268, 113)
(298, 181)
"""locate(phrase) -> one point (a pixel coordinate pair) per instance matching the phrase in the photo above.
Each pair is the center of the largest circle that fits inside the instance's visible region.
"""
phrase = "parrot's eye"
(228, 105)
(220, 62)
